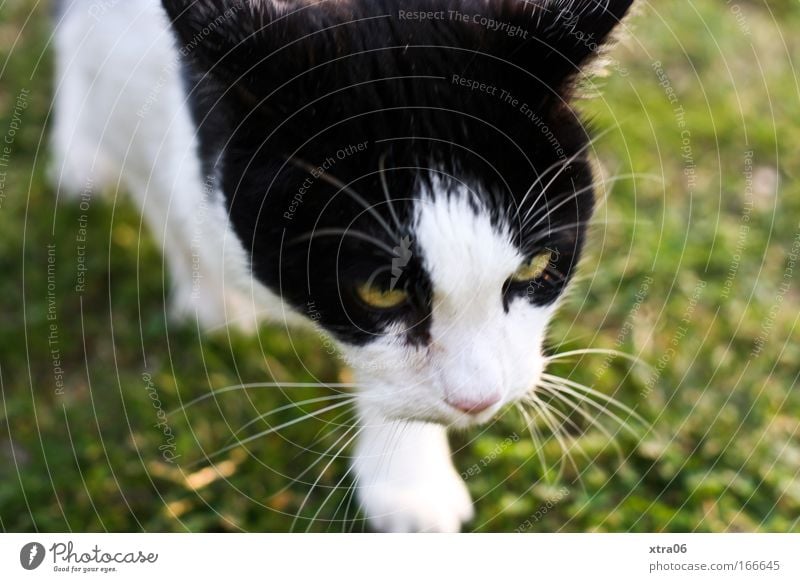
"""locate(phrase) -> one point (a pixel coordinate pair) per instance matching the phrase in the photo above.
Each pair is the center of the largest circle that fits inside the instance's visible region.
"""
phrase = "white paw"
(437, 505)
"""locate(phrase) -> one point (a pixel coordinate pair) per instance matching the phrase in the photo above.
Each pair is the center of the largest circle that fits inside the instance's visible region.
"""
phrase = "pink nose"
(473, 406)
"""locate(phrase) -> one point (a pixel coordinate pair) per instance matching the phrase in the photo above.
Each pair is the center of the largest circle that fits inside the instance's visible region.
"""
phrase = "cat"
(410, 178)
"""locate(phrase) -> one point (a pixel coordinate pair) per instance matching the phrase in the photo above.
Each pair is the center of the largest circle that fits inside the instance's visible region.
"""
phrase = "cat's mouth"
(450, 416)
(465, 420)
(470, 414)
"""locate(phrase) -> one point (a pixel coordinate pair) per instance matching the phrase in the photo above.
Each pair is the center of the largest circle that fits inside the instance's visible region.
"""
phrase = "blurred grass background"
(690, 264)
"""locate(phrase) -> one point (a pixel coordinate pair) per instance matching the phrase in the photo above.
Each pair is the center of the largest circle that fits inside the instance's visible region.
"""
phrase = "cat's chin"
(468, 421)
(452, 419)
(457, 420)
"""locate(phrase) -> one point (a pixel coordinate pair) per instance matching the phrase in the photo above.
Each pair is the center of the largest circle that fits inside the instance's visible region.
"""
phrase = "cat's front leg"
(406, 479)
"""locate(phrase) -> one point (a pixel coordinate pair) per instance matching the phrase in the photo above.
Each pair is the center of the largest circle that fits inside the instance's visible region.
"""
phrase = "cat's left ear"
(567, 35)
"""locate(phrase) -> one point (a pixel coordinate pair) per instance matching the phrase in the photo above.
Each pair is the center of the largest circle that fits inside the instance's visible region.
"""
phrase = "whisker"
(574, 440)
(556, 431)
(309, 449)
(348, 495)
(319, 477)
(334, 489)
(271, 431)
(353, 494)
(237, 387)
(564, 418)
(307, 469)
(290, 406)
(593, 421)
(551, 409)
(320, 232)
(347, 190)
(535, 437)
(571, 196)
(602, 408)
(551, 231)
(596, 351)
(600, 202)
(385, 185)
(609, 399)
(563, 164)
(548, 211)
(319, 436)
(534, 204)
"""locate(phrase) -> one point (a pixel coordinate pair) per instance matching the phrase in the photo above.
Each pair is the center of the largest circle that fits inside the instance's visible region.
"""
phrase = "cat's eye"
(378, 298)
(534, 268)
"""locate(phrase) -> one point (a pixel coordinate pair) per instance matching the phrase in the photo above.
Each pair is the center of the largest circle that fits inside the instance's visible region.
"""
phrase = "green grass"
(724, 451)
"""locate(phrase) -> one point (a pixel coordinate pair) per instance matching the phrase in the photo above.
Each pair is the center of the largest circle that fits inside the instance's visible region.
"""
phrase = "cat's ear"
(563, 36)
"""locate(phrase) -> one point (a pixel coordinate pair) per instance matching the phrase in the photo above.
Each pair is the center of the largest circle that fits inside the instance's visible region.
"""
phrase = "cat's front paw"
(436, 505)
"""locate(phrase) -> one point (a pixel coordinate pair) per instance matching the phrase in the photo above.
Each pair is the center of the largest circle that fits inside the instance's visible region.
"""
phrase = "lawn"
(693, 269)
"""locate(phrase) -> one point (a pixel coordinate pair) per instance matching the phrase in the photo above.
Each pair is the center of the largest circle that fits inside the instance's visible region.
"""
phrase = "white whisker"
(309, 449)
(319, 436)
(334, 489)
(595, 351)
(535, 437)
(307, 469)
(565, 419)
(563, 165)
(593, 421)
(272, 430)
(602, 408)
(290, 406)
(608, 399)
(319, 477)
(320, 232)
(347, 190)
(570, 196)
(252, 385)
(557, 434)
(385, 185)
(348, 495)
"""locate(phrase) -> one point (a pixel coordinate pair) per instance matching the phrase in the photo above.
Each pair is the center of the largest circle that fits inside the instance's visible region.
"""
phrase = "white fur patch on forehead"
(463, 252)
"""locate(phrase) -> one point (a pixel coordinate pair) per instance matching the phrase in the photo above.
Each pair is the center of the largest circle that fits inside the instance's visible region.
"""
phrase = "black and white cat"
(407, 176)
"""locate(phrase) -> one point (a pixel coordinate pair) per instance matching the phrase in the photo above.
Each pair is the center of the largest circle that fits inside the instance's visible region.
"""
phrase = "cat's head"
(408, 175)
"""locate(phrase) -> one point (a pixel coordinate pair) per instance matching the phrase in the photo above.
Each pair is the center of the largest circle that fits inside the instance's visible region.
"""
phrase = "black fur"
(278, 88)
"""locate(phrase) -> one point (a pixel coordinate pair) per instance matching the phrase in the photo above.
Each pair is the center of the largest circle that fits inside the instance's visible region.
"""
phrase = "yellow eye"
(380, 298)
(534, 268)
